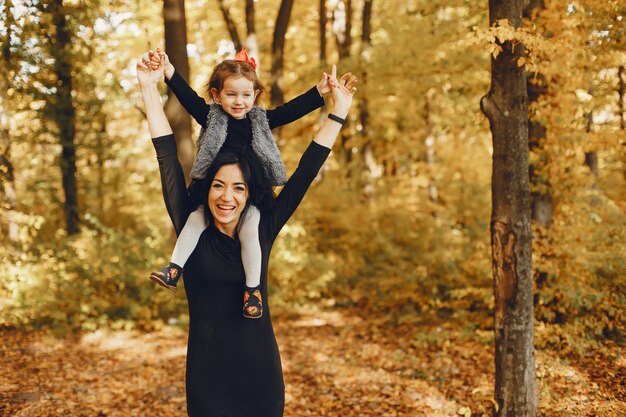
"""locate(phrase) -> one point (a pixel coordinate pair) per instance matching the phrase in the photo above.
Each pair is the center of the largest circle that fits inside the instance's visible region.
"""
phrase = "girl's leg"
(185, 244)
(189, 237)
(251, 259)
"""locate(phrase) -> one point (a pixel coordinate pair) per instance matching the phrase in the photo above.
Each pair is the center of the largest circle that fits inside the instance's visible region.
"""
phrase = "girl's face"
(227, 198)
(236, 97)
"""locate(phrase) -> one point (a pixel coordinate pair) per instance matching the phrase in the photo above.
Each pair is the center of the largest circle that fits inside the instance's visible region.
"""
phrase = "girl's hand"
(323, 87)
(342, 91)
(145, 75)
(157, 57)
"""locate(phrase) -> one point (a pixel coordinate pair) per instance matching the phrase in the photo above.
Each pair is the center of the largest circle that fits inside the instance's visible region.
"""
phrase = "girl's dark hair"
(260, 192)
(232, 68)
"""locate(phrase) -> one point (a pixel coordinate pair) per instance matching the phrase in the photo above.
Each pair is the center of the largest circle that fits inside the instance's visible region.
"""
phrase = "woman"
(233, 364)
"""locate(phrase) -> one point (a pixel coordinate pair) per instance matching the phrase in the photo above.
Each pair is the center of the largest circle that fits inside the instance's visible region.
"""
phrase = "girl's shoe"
(252, 303)
(168, 277)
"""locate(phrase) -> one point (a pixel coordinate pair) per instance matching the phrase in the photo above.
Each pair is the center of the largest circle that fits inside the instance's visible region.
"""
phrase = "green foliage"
(98, 278)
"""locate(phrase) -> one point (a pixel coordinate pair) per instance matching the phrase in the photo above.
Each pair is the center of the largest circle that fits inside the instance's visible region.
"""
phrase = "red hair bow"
(243, 56)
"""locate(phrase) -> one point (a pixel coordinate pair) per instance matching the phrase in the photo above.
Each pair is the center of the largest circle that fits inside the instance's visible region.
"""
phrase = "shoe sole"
(162, 283)
(253, 317)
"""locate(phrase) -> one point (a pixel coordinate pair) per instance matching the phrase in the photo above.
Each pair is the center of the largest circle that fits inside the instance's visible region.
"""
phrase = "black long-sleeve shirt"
(239, 131)
(233, 363)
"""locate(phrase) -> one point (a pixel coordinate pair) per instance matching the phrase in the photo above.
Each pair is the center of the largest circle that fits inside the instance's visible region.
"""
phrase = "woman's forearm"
(330, 129)
(157, 122)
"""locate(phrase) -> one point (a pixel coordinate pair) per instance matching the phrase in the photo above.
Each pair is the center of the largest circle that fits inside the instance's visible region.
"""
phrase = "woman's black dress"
(233, 364)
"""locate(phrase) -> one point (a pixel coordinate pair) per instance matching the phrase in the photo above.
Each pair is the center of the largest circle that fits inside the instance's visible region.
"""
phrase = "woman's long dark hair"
(260, 192)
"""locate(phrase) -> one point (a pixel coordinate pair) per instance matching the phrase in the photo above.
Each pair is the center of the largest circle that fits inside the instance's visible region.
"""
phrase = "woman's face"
(228, 196)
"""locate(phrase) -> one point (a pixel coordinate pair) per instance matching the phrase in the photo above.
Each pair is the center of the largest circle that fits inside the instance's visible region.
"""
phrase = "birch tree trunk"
(506, 107)
(175, 25)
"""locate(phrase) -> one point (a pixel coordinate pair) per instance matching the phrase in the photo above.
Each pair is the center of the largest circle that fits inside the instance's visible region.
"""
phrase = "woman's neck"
(228, 230)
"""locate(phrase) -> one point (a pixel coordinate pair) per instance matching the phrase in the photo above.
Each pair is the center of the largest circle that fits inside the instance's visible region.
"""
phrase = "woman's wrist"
(150, 90)
(340, 111)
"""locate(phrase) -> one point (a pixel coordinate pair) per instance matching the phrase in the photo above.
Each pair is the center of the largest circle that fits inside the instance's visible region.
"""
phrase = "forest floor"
(335, 364)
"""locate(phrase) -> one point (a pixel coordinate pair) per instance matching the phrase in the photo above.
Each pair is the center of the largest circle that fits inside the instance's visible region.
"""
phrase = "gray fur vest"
(213, 135)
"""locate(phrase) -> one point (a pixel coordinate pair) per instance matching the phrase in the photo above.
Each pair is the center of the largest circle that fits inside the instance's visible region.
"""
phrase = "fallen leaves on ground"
(335, 364)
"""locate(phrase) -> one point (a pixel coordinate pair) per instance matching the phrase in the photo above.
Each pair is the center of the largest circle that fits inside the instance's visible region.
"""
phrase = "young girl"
(232, 123)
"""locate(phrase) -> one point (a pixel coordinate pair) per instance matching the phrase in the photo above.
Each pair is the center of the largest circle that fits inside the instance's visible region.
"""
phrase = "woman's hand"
(323, 87)
(147, 76)
(342, 92)
(157, 57)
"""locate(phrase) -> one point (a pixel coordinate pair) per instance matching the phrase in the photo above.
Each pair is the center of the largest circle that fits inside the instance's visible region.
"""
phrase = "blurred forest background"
(397, 224)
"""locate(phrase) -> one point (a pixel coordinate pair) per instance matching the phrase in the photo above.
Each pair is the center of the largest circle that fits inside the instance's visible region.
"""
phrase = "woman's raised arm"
(315, 155)
(341, 93)
(148, 81)
(175, 192)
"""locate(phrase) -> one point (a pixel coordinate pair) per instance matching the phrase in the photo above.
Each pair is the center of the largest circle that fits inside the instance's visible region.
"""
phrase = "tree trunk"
(323, 20)
(591, 161)
(541, 200)
(252, 44)
(620, 106)
(620, 99)
(64, 114)
(230, 25)
(101, 151)
(429, 142)
(7, 185)
(367, 154)
(277, 95)
(342, 27)
(506, 107)
(176, 47)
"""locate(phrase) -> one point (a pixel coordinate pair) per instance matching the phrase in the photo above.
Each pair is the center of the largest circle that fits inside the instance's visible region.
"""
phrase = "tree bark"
(366, 43)
(620, 99)
(277, 95)
(541, 199)
(101, 151)
(64, 114)
(620, 106)
(342, 27)
(176, 47)
(506, 107)
(252, 44)
(323, 20)
(230, 25)
(591, 161)
(7, 184)
(429, 142)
